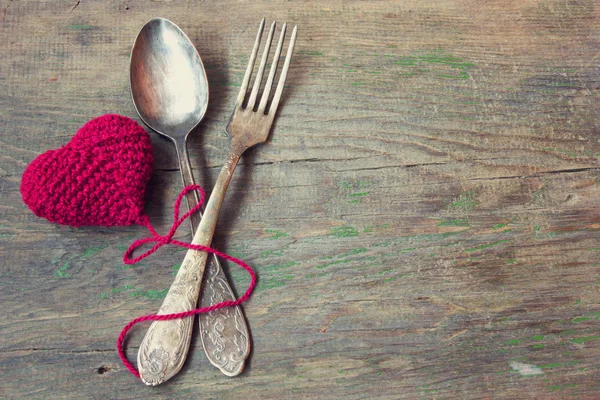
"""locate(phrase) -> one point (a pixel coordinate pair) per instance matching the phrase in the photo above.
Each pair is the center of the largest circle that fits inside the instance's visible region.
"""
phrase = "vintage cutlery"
(162, 351)
(170, 93)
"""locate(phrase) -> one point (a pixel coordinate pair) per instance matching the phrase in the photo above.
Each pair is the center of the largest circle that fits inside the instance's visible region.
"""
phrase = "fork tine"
(269, 84)
(283, 76)
(248, 74)
(261, 68)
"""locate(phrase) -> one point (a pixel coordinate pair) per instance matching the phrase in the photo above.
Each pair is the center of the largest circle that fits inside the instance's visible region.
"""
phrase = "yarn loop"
(168, 239)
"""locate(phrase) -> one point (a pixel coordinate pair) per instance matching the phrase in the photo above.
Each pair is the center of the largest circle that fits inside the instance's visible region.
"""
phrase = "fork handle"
(223, 332)
(164, 348)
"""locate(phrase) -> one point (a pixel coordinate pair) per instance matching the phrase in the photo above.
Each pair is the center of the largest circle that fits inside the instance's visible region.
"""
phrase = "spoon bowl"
(168, 81)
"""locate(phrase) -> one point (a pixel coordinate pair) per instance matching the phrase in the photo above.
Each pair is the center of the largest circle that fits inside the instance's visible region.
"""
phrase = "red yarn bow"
(168, 239)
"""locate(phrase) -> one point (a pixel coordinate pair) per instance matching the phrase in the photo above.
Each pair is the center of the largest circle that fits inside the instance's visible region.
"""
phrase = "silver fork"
(164, 348)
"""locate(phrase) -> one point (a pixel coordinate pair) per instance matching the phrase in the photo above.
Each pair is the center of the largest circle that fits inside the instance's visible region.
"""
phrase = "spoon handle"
(187, 177)
(224, 332)
(165, 346)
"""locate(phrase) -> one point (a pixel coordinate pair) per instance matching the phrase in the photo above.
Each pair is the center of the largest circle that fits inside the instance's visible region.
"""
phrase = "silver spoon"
(170, 93)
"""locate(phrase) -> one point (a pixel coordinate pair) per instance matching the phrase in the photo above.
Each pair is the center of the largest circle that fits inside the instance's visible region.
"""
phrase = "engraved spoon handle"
(224, 332)
(165, 346)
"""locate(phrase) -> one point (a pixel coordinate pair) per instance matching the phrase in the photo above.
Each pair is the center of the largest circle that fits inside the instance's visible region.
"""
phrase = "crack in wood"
(58, 350)
(75, 5)
(539, 174)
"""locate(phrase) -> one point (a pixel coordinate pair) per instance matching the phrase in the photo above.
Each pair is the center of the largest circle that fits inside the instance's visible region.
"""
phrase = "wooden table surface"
(424, 219)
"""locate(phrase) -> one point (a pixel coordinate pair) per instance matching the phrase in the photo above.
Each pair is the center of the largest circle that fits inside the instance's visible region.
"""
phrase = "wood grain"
(424, 219)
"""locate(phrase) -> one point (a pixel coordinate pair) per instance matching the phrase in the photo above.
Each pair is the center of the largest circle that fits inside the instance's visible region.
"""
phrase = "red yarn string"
(168, 239)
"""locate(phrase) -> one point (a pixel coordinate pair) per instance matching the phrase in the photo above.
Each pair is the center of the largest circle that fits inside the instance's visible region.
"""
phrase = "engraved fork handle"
(165, 346)
(223, 332)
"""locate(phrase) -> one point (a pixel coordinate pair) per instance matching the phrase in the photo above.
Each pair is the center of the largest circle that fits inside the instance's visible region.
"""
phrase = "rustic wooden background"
(424, 219)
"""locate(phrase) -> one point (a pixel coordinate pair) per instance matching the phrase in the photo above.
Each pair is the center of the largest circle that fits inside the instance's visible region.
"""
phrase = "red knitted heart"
(99, 178)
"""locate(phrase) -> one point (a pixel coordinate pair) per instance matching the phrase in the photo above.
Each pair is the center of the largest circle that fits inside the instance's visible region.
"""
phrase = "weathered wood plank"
(424, 220)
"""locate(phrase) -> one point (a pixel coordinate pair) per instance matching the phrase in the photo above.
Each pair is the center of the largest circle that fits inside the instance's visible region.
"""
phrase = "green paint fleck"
(344, 231)
(548, 366)
(584, 339)
(558, 387)
(313, 53)
(357, 84)
(80, 27)
(268, 253)
(358, 251)
(463, 75)
(455, 222)
(406, 61)
(150, 294)
(581, 319)
(176, 268)
(498, 226)
(102, 295)
(378, 373)
(466, 201)
(537, 228)
(276, 234)
(272, 283)
(122, 247)
(360, 194)
(538, 338)
(61, 271)
(435, 57)
(485, 246)
(514, 341)
(538, 346)
(122, 289)
(91, 251)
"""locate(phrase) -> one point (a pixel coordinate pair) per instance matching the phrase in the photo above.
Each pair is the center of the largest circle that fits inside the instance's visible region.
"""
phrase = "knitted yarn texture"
(98, 178)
